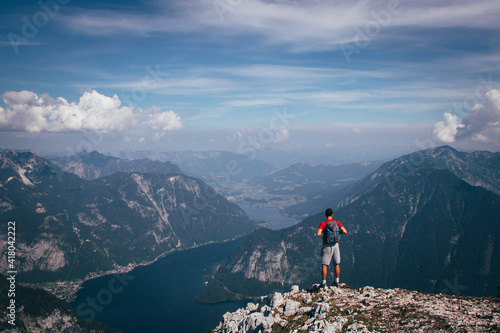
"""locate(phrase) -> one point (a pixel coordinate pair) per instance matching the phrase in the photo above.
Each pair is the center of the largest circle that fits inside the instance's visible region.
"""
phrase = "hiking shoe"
(316, 288)
(335, 284)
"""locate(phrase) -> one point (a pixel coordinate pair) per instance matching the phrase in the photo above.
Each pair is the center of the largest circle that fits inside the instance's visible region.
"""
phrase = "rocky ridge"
(343, 309)
(477, 168)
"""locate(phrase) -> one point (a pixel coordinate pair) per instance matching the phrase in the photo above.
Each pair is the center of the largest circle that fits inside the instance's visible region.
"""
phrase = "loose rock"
(365, 310)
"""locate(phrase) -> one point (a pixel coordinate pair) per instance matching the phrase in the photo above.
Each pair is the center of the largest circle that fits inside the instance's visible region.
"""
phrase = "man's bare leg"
(324, 271)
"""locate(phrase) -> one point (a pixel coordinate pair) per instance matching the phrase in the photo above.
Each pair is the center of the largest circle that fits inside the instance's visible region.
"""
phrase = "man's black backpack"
(331, 233)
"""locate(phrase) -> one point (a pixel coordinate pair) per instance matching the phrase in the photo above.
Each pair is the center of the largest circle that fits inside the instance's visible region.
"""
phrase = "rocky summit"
(343, 309)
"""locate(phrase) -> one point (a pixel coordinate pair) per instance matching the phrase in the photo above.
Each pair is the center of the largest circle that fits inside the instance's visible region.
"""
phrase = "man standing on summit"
(329, 229)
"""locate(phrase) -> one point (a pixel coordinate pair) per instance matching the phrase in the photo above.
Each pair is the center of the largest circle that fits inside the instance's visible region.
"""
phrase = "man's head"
(329, 212)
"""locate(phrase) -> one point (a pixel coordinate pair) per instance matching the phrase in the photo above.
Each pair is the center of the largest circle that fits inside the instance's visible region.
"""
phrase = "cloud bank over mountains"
(481, 125)
(25, 111)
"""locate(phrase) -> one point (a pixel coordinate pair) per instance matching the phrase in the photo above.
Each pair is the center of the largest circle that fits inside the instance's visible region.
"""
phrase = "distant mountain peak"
(27, 167)
(94, 153)
(95, 165)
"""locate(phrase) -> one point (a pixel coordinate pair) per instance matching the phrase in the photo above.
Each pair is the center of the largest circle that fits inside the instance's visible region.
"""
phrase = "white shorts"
(328, 252)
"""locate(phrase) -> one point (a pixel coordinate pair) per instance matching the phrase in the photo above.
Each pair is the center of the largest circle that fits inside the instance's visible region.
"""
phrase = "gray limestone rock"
(350, 310)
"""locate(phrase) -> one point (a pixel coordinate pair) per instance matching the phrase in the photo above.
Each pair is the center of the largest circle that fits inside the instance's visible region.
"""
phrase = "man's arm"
(319, 232)
(343, 230)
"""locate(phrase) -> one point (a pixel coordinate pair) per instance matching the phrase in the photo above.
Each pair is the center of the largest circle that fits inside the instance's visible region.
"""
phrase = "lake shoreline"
(159, 297)
(67, 290)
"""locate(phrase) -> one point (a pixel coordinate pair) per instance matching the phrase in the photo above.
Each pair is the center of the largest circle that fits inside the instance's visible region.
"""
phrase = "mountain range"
(94, 165)
(69, 228)
(427, 220)
(312, 182)
(217, 168)
(478, 168)
(246, 179)
(317, 179)
(416, 223)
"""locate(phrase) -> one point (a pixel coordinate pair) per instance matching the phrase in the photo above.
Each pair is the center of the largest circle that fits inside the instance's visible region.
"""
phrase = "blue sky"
(213, 74)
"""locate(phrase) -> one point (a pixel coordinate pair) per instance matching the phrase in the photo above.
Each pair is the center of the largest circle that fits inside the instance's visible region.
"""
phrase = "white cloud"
(26, 111)
(482, 125)
(449, 14)
(446, 130)
(303, 25)
(165, 121)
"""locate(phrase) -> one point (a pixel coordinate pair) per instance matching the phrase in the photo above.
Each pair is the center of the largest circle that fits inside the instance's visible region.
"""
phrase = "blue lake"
(268, 214)
(158, 297)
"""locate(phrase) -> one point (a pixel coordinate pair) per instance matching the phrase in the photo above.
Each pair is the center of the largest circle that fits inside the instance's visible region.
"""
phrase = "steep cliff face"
(363, 310)
(428, 230)
(67, 227)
